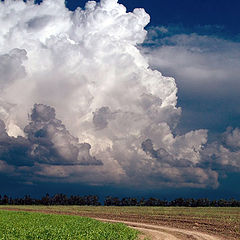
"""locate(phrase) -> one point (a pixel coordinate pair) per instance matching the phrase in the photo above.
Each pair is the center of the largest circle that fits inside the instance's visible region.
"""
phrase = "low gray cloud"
(47, 142)
(101, 117)
(224, 155)
(5, 168)
(159, 154)
(14, 151)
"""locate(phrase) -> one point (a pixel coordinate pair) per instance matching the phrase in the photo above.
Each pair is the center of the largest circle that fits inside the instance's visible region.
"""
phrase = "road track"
(156, 232)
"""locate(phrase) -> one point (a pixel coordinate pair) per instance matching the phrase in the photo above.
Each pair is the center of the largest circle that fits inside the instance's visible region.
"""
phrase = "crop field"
(30, 225)
(222, 221)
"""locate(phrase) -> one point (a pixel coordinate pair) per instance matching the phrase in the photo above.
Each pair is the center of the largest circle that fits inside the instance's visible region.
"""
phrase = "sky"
(127, 98)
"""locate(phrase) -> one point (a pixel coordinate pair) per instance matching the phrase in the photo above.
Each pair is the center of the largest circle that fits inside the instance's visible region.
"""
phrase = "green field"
(25, 225)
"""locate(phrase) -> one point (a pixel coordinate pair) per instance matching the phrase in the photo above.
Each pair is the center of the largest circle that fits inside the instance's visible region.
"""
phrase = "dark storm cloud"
(159, 154)
(101, 117)
(52, 143)
(14, 151)
(163, 156)
(47, 142)
(224, 155)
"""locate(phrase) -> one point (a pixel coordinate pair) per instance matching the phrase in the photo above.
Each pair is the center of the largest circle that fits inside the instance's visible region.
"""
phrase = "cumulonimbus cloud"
(86, 66)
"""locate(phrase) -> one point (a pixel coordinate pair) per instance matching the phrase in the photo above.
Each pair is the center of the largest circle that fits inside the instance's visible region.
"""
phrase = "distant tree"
(178, 202)
(124, 202)
(59, 199)
(115, 201)
(5, 200)
(28, 200)
(234, 203)
(222, 203)
(162, 202)
(133, 202)
(108, 201)
(46, 200)
(93, 200)
(151, 202)
(141, 202)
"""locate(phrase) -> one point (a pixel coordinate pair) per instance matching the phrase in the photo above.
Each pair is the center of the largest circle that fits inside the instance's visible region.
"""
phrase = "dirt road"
(155, 232)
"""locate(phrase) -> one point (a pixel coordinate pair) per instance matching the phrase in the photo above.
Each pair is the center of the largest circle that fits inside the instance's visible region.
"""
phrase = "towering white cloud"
(87, 65)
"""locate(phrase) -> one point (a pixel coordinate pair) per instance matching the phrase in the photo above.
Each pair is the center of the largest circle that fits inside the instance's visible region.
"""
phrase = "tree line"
(178, 202)
(93, 200)
(57, 199)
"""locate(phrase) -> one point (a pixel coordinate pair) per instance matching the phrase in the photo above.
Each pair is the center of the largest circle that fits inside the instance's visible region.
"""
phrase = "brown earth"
(159, 227)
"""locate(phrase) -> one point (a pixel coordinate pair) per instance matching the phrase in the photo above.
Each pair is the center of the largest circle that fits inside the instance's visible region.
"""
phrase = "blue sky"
(187, 13)
(195, 42)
